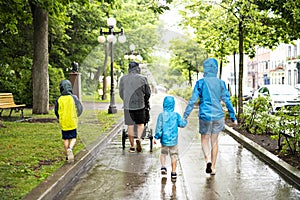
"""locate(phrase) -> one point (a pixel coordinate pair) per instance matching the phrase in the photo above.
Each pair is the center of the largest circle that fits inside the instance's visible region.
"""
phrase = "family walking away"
(166, 131)
(211, 91)
(135, 92)
(67, 110)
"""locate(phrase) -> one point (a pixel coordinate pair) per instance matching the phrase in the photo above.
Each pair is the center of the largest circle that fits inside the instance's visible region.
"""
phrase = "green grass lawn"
(96, 98)
(30, 152)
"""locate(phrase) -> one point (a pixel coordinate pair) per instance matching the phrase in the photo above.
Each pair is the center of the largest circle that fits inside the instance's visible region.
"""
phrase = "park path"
(118, 174)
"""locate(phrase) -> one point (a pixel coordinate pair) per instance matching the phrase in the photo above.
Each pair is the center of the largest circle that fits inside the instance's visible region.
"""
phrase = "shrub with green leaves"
(256, 117)
(288, 129)
(284, 125)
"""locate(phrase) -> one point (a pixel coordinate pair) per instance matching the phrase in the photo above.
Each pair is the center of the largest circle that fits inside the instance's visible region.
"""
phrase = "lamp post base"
(112, 109)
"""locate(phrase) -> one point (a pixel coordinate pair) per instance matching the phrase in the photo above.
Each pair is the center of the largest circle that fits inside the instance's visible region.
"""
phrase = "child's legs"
(174, 157)
(163, 155)
(66, 145)
(69, 143)
(72, 143)
(69, 138)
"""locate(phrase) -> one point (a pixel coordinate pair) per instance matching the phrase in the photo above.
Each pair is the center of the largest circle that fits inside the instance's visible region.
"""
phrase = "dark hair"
(133, 64)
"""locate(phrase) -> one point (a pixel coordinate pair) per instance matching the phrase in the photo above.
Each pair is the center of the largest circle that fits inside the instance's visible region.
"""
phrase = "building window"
(289, 51)
(295, 76)
(295, 51)
(289, 77)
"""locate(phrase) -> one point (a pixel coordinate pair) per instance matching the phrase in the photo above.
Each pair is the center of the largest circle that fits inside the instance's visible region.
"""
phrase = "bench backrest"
(6, 98)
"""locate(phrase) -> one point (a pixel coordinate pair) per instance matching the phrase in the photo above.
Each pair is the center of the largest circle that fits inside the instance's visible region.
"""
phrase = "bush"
(257, 119)
(19, 82)
(289, 129)
(16, 79)
(56, 75)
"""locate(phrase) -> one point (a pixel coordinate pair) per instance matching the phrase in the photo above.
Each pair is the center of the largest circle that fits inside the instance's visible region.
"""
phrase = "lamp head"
(111, 22)
(101, 39)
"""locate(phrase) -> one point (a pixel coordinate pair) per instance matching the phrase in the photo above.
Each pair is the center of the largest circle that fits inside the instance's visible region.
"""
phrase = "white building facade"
(278, 66)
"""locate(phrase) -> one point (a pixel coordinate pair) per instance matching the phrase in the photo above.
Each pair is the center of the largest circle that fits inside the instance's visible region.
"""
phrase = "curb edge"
(289, 172)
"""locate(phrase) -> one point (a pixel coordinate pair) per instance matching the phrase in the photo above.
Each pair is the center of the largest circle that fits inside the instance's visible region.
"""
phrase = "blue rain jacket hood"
(168, 122)
(169, 104)
(211, 91)
(210, 67)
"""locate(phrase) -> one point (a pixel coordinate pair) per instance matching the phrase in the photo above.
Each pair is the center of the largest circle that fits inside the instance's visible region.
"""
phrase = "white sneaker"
(70, 155)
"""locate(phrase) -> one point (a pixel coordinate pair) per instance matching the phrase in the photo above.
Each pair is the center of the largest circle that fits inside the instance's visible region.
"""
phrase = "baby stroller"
(147, 133)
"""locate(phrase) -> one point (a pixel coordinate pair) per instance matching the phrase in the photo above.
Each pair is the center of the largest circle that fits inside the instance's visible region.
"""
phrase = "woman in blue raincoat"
(211, 91)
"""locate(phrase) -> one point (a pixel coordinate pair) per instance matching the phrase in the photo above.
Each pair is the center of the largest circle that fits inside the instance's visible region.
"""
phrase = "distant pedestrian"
(67, 109)
(166, 131)
(211, 91)
(135, 92)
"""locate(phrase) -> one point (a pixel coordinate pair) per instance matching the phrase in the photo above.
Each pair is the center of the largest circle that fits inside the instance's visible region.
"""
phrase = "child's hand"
(185, 121)
(154, 141)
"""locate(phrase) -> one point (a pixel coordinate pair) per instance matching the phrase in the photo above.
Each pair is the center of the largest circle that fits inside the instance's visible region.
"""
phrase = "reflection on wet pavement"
(119, 174)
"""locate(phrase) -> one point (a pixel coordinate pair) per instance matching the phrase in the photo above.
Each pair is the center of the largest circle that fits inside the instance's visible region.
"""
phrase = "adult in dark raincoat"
(135, 92)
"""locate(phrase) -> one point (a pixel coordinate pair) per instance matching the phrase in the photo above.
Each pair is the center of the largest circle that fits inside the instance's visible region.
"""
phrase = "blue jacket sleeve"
(182, 122)
(193, 100)
(227, 101)
(159, 127)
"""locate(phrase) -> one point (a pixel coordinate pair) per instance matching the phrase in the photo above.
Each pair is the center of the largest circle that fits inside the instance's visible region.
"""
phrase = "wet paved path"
(118, 174)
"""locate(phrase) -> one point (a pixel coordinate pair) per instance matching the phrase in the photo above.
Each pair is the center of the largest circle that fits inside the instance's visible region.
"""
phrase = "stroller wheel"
(151, 140)
(123, 138)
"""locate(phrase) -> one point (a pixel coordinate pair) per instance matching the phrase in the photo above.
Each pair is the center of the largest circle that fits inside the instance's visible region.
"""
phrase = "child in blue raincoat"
(167, 132)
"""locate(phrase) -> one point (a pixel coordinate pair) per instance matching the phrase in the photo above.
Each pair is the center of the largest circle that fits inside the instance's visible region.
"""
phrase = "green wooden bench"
(7, 102)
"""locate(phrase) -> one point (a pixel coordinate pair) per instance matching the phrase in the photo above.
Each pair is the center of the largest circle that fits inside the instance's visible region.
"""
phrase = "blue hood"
(211, 91)
(169, 104)
(210, 67)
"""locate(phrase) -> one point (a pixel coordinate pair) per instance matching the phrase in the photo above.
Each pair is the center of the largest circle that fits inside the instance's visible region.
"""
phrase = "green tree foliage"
(73, 28)
(17, 43)
(239, 26)
(187, 59)
(15, 48)
(284, 19)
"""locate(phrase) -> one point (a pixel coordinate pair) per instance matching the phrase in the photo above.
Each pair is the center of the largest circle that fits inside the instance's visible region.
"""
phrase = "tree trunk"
(221, 69)
(234, 80)
(241, 62)
(40, 76)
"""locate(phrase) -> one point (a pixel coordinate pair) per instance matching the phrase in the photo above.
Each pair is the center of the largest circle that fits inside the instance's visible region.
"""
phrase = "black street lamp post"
(111, 22)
